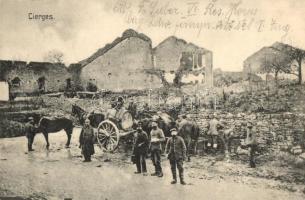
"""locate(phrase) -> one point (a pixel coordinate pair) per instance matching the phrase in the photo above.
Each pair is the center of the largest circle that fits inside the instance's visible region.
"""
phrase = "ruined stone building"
(121, 64)
(34, 76)
(194, 62)
(128, 61)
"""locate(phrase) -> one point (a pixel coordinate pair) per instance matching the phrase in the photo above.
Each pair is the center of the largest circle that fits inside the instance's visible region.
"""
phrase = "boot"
(182, 182)
(160, 174)
(181, 178)
(154, 174)
(174, 181)
(30, 147)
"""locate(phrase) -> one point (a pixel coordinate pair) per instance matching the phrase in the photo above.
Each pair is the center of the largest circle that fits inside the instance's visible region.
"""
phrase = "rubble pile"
(9, 128)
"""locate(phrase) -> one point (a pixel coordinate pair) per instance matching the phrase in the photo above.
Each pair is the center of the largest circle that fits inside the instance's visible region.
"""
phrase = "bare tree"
(276, 62)
(54, 56)
(297, 55)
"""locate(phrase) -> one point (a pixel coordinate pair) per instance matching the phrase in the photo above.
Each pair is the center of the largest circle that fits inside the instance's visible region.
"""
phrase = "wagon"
(109, 132)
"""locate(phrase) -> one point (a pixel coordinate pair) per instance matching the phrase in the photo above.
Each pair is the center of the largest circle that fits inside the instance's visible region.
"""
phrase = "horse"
(190, 133)
(95, 118)
(164, 121)
(48, 125)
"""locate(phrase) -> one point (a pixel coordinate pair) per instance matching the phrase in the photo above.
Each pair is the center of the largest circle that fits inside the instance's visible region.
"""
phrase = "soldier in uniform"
(120, 110)
(132, 108)
(140, 150)
(251, 143)
(176, 150)
(86, 141)
(30, 133)
(157, 136)
(214, 126)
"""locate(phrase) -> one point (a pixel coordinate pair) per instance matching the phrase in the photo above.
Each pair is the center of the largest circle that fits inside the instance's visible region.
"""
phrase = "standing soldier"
(30, 133)
(251, 143)
(157, 136)
(132, 108)
(140, 150)
(176, 149)
(86, 141)
(214, 126)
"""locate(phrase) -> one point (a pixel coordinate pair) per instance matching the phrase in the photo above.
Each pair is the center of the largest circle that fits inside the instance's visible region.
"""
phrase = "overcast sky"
(79, 28)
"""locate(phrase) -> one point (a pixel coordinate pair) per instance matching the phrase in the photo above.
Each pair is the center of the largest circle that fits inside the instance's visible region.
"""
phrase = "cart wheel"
(108, 135)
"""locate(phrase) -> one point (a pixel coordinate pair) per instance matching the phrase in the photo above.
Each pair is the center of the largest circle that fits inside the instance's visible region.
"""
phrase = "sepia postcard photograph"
(152, 99)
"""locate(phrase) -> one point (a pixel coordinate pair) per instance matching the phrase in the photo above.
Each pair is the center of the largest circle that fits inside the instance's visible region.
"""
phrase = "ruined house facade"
(128, 62)
(34, 76)
(195, 62)
(122, 64)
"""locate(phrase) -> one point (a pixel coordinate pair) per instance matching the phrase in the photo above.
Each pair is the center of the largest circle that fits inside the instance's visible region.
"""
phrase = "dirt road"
(59, 174)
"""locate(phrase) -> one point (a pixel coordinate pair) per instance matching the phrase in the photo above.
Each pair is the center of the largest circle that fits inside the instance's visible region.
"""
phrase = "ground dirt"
(59, 173)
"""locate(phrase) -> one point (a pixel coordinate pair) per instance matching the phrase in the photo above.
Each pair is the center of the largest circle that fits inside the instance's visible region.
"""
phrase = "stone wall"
(282, 131)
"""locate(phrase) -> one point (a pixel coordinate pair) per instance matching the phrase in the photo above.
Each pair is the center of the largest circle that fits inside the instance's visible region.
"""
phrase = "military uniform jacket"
(29, 130)
(156, 135)
(176, 149)
(86, 140)
(142, 139)
(251, 137)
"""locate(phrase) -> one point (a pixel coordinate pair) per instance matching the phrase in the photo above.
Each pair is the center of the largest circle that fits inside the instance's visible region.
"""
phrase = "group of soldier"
(175, 149)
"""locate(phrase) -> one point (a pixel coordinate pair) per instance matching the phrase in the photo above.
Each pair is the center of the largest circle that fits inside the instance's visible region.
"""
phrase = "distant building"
(257, 63)
(174, 54)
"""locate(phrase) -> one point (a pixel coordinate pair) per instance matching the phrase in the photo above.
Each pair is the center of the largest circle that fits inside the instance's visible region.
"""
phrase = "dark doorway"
(16, 82)
(41, 83)
(68, 84)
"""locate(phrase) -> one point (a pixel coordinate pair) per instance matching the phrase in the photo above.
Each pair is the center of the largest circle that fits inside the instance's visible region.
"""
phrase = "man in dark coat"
(86, 141)
(251, 143)
(30, 133)
(140, 150)
(132, 108)
(176, 150)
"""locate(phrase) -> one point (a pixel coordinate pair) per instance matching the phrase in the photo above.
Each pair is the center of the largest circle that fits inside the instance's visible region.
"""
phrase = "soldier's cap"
(249, 124)
(173, 129)
(87, 120)
(154, 123)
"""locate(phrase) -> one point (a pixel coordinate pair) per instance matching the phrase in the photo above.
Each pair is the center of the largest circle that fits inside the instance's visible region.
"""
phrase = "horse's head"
(73, 109)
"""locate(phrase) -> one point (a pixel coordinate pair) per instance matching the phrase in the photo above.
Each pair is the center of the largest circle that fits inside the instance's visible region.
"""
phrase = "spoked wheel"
(108, 135)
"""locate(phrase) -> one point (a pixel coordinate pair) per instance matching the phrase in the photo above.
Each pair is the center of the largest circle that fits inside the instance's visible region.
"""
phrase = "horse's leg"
(189, 142)
(225, 146)
(69, 134)
(46, 136)
(195, 146)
